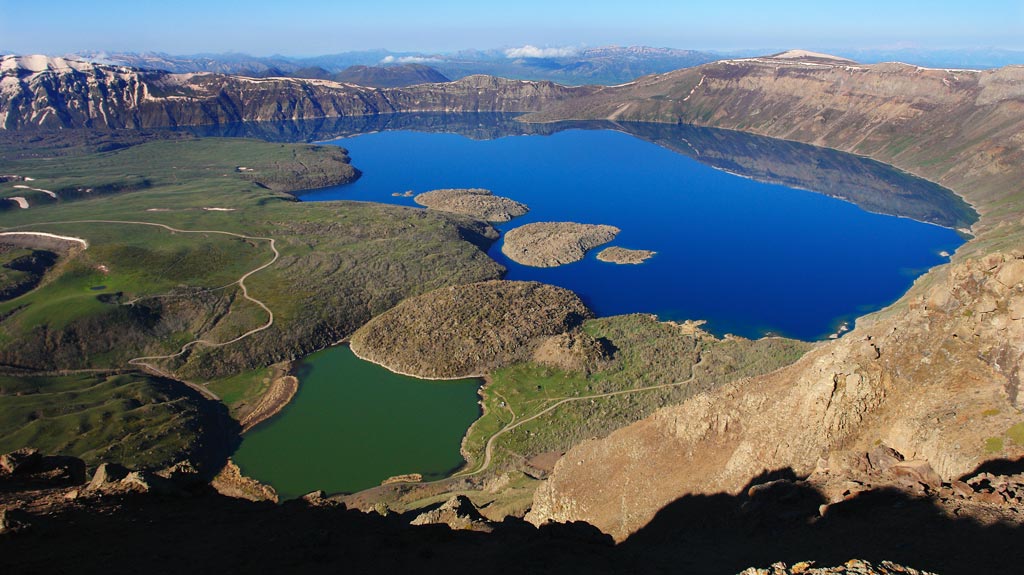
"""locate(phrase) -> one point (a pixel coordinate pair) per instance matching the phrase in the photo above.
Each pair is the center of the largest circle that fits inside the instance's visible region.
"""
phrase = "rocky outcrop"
(106, 474)
(617, 255)
(457, 513)
(21, 461)
(468, 330)
(938, 381)
(29, 469)
(232, 483)
(551, 244)
(41, 92)
(574, 351)
(475, 203)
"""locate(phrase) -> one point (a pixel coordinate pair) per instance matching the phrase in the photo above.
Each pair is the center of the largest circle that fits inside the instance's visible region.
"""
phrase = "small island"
(476, 203)
(617, 255)
(551, 244)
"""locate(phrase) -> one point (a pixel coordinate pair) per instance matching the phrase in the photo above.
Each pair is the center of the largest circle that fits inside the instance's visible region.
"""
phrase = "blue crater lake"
(750, 257)
(753, 255)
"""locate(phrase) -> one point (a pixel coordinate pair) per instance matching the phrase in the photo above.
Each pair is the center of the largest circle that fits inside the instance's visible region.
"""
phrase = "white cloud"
(409, 60)
(535, 52)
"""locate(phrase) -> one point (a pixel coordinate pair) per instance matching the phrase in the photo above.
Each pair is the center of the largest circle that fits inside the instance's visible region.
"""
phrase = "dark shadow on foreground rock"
(726, 534)
(773, 521)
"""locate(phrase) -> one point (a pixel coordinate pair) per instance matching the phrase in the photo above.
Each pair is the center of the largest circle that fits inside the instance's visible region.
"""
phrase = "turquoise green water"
(353, 424)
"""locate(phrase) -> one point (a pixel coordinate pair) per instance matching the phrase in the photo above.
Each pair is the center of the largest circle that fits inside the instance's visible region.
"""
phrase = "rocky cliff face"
(41, 92)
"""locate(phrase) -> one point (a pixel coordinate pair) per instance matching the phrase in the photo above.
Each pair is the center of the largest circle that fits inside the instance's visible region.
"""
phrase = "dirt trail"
(145, 362)
(489, 447)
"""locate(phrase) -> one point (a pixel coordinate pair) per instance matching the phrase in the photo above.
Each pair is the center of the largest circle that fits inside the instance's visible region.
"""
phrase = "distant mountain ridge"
(47, 92)
(390, 76)
(604, 65)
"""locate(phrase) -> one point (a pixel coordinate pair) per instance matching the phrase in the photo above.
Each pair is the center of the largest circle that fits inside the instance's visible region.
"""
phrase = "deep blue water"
(750, 258)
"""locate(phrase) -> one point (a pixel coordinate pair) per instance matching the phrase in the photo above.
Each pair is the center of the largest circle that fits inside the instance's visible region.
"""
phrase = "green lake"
(353, 424)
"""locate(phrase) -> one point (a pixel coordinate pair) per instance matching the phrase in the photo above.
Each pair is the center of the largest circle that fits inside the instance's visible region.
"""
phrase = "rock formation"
(457, 513)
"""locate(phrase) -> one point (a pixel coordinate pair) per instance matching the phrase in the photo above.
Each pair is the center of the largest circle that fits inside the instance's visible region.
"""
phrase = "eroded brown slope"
(939, 383)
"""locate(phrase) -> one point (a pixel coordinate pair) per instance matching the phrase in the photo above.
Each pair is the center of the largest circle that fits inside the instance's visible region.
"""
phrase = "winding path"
(145, 361)
(489, 446)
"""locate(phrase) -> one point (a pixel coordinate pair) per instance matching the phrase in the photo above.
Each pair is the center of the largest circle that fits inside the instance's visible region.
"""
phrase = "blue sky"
(309, 27)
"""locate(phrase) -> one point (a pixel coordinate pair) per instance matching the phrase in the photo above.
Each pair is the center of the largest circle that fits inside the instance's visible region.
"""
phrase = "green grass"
(1016, 433)
(242, 391)
(137, 420)
(140, 290)
(994, 445)
(340, 262)
(649, 353)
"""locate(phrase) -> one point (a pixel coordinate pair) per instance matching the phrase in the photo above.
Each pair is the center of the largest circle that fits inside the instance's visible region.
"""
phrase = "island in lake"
(551, 244)
(474, 202)
(617, 255)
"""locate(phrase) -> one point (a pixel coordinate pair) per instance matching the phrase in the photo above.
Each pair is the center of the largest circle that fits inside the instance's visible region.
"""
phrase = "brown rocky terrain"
(468, 330)
(475, 203)
(551, 244)
(939, 382)
(617, 255)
